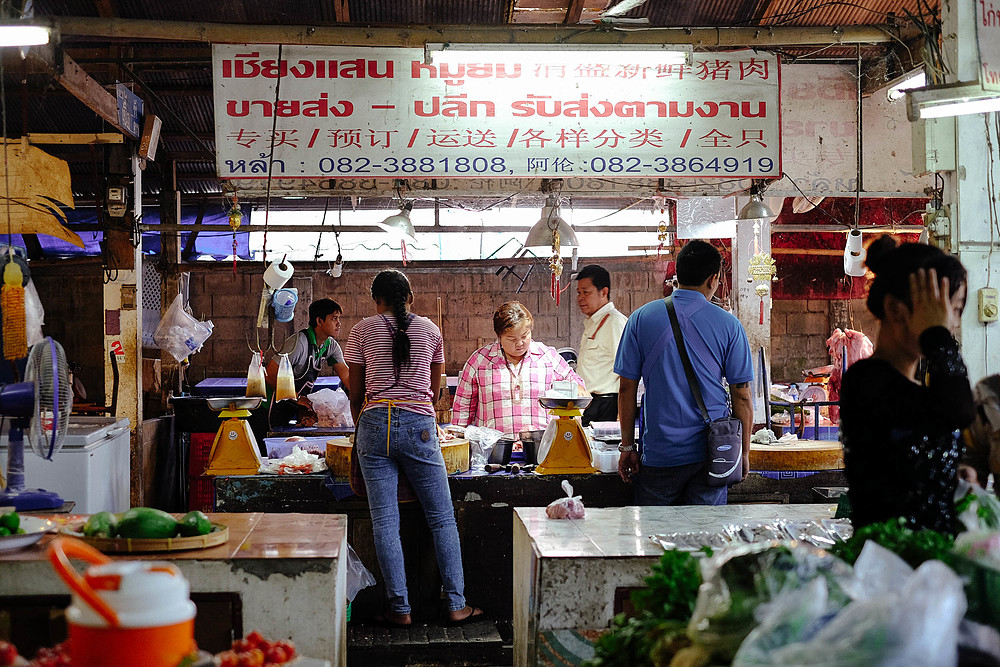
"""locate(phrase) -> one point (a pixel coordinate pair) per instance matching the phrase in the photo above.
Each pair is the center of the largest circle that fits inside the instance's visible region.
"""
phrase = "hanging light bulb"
(756, 209)
(399, 225)
(854, 254)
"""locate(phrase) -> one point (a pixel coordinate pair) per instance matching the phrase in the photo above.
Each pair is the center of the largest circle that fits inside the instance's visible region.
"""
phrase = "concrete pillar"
(969, 195)
(749, 241)
(123, 331)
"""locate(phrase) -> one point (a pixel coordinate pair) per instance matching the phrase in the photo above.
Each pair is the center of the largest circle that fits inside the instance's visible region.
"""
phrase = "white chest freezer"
(92, 468)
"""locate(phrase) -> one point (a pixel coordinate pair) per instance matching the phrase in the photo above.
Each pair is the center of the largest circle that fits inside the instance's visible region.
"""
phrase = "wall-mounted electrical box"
(989, 307)
(117, 201)
(933, 145)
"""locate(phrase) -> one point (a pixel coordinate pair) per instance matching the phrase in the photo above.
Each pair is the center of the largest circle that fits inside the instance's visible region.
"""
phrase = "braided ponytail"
(392, 288)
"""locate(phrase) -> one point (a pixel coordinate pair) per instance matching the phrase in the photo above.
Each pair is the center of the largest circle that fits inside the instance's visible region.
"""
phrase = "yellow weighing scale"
(569, 453)
(234, 451)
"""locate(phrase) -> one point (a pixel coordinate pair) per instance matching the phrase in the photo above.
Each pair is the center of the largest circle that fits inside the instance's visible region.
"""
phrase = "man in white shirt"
(599, 344)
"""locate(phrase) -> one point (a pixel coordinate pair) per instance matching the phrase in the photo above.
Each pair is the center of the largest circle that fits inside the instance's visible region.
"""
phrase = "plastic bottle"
(793, 392)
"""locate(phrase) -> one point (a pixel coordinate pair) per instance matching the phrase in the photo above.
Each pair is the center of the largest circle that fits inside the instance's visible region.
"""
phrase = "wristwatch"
(626, 448)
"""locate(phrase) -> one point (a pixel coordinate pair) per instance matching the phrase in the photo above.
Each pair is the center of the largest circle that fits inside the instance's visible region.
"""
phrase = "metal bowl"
(580, 402)
(220, 403)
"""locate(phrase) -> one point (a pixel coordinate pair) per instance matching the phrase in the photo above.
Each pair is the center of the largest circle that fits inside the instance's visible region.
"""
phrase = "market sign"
(329, 112)
(988, 37)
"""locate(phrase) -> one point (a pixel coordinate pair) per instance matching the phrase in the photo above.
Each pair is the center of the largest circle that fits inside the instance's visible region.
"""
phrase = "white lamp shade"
(399, 226)
(854, 255)
(540, 234)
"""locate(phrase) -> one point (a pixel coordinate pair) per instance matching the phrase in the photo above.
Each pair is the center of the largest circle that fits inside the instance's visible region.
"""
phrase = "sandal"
(475, 615)
(384, 621)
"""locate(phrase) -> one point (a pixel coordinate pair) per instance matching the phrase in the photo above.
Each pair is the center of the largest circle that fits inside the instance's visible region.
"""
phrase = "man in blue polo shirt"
(672, 469)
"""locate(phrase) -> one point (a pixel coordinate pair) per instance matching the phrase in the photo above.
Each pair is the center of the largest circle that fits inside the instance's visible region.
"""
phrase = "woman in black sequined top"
(901, 448)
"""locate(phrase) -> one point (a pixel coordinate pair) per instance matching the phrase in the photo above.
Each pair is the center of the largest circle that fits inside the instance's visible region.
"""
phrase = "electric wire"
(270, 158)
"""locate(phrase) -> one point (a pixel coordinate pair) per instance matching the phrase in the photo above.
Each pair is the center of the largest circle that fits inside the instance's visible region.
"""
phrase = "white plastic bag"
(34, 314)
(332, 408)
(481, 443)
(909, 621)
(358, 576)
(299, 462)
(179, 333)
(570, 507)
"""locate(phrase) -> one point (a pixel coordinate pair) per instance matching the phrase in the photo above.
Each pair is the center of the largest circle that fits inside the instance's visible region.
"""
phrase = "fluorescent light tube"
(912, 80)
(950, 100)
(961, 108)
(23, 35)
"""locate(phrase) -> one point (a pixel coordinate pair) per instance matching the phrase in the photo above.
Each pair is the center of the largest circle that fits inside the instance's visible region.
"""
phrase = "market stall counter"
(568, 573)
(288, 572)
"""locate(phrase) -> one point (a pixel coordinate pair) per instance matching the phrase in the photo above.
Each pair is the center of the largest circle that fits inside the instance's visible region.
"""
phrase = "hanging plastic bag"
(358, 576)
(570, 507)
(179, 333)
(34, 314)
(285, 386)
(255, 377)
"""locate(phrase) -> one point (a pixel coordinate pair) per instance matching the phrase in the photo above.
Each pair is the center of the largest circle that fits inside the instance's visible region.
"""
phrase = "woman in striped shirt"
(501, 383)
(396, 360)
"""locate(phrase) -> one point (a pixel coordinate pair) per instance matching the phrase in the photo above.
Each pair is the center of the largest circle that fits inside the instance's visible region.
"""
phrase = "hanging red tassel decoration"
(762, 310)
(403, 244)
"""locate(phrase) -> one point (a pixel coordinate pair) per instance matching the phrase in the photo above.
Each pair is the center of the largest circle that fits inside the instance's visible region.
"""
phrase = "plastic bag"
(179, 333)
(570, 507)
(34, 314)
(255, 377)
(285, 386)
(358, 576)
(332, 408)
(739, 580)
(903, 618)
(978, 508)
(299, 462)
(481, 442)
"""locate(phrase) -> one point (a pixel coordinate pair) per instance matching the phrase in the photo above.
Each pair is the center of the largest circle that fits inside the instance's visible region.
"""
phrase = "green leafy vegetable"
(913, 546)
(659, 628)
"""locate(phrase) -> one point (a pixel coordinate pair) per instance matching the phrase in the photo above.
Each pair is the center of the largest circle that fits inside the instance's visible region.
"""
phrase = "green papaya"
(102, 524)
(194, 523)
(146, 522)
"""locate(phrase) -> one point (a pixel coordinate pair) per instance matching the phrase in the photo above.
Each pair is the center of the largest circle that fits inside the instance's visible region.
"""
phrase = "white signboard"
(988, 37)
(352, 112)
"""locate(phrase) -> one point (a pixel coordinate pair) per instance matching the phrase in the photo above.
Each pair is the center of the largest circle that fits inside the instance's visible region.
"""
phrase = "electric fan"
(41, 404)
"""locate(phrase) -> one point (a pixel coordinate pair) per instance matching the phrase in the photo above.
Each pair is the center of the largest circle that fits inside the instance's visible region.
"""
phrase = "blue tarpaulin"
(218, 245)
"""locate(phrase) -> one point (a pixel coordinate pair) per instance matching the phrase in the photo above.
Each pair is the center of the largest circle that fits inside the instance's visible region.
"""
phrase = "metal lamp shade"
(756, 209)
(399, 225)
(540, 234)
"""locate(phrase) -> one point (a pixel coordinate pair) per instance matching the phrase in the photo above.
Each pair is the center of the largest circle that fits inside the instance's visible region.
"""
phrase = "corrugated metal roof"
(823, 12)
(439, 12)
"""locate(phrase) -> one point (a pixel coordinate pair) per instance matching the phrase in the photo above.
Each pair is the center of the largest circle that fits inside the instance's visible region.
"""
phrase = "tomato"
(229, 659)
(276, 655)
(8, 653)
(252, 658)
(257, 640)
(288, 646)
(242, 646)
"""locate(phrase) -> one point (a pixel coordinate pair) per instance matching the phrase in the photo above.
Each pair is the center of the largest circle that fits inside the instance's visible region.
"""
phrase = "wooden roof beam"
(574, 12)
(89, 91)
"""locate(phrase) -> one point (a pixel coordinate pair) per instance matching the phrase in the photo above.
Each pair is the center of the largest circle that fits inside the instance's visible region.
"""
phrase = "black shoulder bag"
(725, 435)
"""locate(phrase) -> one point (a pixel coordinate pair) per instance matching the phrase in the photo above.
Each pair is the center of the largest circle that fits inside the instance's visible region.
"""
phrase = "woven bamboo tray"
(127, 545)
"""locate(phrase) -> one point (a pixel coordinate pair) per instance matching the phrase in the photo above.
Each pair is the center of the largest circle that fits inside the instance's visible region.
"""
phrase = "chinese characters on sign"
(386, 113)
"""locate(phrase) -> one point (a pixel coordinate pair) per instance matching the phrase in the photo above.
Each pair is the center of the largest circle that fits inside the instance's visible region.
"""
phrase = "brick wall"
(800, 327)
(73, 298)
(469, 292)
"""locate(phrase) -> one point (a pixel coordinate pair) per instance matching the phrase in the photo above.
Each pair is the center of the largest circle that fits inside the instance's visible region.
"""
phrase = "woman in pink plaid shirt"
(501, 383)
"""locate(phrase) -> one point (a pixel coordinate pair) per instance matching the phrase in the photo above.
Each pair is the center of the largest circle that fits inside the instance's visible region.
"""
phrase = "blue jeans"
(409, 443)
(677, 485)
